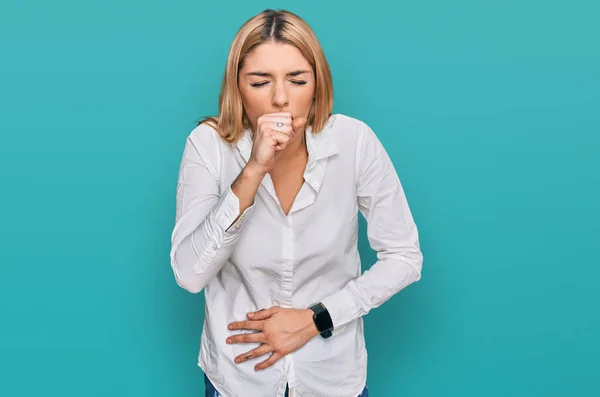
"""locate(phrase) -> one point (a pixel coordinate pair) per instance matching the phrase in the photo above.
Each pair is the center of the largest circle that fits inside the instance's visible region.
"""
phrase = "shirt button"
(316, 184)
(215, 246)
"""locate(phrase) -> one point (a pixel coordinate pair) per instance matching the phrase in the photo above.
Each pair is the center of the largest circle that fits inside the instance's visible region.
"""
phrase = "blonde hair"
(279, 26)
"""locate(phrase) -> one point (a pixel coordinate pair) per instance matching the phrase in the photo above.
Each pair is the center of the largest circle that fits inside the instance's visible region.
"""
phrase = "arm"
(391, 231)
(208, 224)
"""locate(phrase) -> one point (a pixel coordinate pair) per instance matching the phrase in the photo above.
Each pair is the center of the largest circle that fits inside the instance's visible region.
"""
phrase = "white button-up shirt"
(269, 259)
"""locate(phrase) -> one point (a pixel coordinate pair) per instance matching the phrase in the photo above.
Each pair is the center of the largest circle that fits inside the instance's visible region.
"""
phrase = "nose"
(279, 98)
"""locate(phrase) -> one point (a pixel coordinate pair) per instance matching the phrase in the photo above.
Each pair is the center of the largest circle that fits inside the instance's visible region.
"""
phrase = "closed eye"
(296, 82)
(259, 84)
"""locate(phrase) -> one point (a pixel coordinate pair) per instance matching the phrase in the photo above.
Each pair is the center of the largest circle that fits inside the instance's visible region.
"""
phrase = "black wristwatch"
(322, 320)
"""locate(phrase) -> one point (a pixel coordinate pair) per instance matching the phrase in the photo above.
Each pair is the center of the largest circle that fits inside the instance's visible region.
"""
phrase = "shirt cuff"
(218, 232)
(230, 209)
(341, 308)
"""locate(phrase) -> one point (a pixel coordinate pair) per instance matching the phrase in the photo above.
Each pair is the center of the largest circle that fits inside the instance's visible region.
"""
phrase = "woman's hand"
(270, 139)
(281, 331)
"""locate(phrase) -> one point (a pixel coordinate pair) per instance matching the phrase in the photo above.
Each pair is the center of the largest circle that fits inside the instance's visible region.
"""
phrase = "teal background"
(489, 110)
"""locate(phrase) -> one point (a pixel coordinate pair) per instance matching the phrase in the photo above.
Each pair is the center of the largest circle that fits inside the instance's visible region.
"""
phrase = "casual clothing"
(269, 259)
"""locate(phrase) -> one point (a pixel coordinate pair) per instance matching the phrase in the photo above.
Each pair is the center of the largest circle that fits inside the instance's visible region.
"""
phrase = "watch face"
(322, 320)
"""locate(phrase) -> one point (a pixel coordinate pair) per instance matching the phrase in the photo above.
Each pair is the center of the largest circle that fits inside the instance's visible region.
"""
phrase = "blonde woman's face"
(276, 78)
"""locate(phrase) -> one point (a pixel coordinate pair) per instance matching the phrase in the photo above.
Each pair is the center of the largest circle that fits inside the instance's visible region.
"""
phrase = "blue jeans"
(211, 392)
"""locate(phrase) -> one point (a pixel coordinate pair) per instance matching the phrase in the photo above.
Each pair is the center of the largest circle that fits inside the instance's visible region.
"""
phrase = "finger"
(263, 313)
(286, 127)
(279, 140)
(268, 362)
(298, 123)
(277, 114)
(247, 338)
(275, 119)
(255, 325)
(259, 351)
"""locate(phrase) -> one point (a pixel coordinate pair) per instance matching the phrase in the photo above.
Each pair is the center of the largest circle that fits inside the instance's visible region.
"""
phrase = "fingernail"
(230, 326)
(237, 360)
(250, 314)
(228, 340)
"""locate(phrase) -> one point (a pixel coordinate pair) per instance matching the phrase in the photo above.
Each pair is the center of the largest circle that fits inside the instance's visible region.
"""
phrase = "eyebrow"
(265, 74)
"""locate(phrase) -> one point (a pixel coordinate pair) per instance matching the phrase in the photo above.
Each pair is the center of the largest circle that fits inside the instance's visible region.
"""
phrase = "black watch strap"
(322, 320)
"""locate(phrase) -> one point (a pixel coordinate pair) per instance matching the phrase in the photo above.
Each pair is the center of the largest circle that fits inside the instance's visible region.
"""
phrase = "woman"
(267, 217)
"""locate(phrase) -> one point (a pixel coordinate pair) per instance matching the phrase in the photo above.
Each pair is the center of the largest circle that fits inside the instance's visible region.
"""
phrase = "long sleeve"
(203, 237)
(391, 232)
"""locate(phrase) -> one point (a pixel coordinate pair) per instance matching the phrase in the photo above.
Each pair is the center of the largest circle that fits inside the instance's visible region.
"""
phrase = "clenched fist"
(274, 131)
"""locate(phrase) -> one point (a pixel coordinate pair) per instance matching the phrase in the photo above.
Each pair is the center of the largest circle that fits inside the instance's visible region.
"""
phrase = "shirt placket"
(286, 286)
